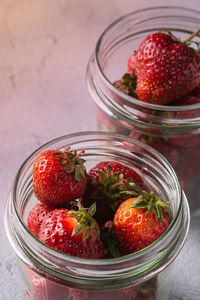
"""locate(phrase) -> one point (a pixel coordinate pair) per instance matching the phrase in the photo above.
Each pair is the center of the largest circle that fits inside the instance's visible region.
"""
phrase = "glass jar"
(48, 274)
(172, 130)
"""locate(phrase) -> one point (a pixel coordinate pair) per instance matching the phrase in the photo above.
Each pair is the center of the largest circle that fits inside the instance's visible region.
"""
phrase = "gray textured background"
(44, 49)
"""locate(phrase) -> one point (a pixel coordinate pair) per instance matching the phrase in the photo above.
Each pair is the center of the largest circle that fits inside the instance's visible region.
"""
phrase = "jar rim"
(83, 263)
(131, 99)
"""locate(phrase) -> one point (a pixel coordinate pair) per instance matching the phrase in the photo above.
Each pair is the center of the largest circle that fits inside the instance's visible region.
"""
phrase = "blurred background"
(45, 46)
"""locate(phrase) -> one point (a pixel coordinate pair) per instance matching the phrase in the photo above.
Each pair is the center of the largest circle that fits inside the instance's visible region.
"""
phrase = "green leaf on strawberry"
(59, 176)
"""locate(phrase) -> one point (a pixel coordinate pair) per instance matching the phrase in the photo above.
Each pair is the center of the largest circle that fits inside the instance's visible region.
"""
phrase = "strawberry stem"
(192, 36)
(152, 202)
(86, 224)
(113, 188)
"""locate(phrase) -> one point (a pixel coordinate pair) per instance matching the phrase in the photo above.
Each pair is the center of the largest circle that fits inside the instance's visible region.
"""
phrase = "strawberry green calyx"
(86, 224)
(127, 84)
(113, 188)
(151, 202)
(72, 162)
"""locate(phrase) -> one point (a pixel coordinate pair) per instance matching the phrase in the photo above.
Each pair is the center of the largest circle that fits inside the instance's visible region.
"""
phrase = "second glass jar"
(172, 130)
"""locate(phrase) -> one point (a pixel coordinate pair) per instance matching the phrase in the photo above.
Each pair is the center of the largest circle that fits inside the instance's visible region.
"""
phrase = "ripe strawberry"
(131, 63)
(72, 232)
(166, 68)
(36, 216)
(59, 176)
(116, 169)
(138, 222)
(109, 183)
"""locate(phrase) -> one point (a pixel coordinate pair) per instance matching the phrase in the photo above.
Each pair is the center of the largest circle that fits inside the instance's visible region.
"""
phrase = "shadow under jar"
(48, 274)
(172, 130)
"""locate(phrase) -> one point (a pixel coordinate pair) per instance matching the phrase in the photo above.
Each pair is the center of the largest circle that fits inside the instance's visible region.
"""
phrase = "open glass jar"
(48, 274)
(172, 130)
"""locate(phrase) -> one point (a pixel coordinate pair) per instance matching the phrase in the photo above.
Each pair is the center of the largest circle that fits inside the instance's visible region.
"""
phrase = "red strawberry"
(166, 68)
(59, 176)
(138, 222)
(36, 216)
(108, 185)
(72, 232)
(131, 63)
(41, 288)
(116, 168)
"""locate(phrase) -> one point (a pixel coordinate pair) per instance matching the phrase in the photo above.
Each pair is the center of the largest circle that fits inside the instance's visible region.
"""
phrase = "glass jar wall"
(47, 274)
(172, 130)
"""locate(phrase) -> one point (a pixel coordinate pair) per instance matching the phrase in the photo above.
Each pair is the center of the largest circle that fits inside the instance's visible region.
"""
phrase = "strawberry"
(116, 169)
(109, 183)
(72, 232)
(36, 216)
(166, 68)
(59, 176)
(139, 221)
(131, 63)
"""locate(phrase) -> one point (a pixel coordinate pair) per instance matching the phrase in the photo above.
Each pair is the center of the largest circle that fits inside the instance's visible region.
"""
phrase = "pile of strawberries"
(104, 212)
